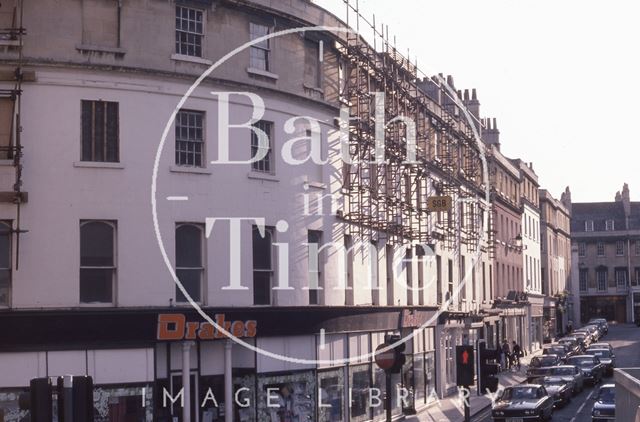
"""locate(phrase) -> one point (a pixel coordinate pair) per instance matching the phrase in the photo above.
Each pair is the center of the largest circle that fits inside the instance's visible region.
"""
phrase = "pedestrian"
(517, 354)
(506, 356)
(569, 327)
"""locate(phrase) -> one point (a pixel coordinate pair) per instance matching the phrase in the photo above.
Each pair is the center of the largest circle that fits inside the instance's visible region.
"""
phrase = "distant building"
(556, 262)
(507, 220)
(607, 238)
(530, 234)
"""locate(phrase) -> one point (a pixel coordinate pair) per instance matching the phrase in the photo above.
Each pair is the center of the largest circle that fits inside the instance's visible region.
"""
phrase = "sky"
(561, 77)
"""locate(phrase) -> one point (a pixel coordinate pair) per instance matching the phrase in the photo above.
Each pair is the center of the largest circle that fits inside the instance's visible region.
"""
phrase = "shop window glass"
(331, 396)
(360, 383)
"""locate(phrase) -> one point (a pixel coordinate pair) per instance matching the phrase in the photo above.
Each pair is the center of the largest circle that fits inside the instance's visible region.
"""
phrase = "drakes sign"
(176, 327)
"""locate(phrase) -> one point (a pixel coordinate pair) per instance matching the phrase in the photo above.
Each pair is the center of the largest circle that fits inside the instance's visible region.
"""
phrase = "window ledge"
(190, 170)
(87, 48)
(96, 305)
(262, 176)
(258, 72)
(10, 43)
(7, 163)
(191, 59)
(313, 88)
(317, 185)
(98, 165)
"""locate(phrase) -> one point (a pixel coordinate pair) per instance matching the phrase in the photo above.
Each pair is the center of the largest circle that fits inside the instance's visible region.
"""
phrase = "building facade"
(556, 262)
(607, 238)
(262, 193)
(510, 296)
(530, 233)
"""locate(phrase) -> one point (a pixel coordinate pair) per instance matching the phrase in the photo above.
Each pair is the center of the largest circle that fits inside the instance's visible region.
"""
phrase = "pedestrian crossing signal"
(464, 366)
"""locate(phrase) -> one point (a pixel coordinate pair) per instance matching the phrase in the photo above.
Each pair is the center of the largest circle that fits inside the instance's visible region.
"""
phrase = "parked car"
(542, 371)
(570, 373)
(595, 332)
(604, 409)
(607, 358)
(589, 338)
(573, 345)
(590, 366)
(556, 349)
(601, 345)
(540, 365)
(602, 323)
(583, 337)
(526, 402)
(557, 387)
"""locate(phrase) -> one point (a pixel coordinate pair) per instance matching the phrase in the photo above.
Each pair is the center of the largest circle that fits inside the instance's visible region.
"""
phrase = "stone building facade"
(556, 262)
(606, 236)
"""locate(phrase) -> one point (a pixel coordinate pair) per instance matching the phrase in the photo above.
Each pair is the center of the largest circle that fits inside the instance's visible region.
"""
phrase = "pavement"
(450, 408)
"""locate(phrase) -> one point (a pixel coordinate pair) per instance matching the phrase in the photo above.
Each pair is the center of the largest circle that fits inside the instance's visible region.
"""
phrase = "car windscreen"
(581, 361)
(601, 353)
(563, 371)
(553, 381)
(520, 393)
(545, 361)
(607, 395)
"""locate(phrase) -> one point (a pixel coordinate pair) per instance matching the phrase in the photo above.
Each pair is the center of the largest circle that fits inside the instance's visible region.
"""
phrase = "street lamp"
(518, 241)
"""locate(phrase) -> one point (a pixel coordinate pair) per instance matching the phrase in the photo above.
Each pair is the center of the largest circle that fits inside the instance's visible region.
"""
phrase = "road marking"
(177, 198)
(583, 403)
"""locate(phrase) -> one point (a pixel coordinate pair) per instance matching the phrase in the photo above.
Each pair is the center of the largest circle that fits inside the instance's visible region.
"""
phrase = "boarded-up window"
(100, 23)
(6, 127)
(312, 74)
(100, 131)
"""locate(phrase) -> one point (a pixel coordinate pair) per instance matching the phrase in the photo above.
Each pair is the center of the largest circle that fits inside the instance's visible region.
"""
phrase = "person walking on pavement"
(517, 354)
(506, 356)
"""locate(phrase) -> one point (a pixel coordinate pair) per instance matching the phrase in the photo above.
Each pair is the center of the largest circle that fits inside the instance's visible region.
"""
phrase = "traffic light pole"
(478, 365)
(467, 409)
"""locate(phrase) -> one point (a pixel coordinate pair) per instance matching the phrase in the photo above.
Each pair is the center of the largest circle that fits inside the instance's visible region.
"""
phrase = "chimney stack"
(473, 104)
(491, 134)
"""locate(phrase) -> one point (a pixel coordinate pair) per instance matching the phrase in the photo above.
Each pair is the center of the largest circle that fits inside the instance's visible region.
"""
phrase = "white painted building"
(86, 290)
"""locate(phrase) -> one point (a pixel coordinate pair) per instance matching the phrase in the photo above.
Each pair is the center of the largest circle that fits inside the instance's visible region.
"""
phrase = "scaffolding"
(12, 75)
(386, 190)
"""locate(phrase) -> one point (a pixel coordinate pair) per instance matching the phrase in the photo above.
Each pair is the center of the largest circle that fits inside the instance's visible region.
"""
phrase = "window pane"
(261, 287)
(99, 131)
(189, 138)
(96, 285)
(331, 396)
(112, 132)
(189, 30)
(261, 250)
(359, 380)
(188, 246)
(96, 244)
(5, 246)
(87, 130)
(191, 280)
(5, 287)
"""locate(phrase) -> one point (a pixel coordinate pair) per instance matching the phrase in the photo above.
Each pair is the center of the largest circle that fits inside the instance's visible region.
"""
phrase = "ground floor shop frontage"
(138, 361)
(612, 308)
(534, 334)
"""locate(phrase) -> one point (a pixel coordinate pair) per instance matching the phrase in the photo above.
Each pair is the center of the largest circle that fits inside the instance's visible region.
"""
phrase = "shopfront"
(163, 357)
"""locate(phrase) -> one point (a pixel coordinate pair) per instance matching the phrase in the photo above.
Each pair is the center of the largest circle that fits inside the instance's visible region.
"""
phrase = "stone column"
(186, 381)
(228, 381)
